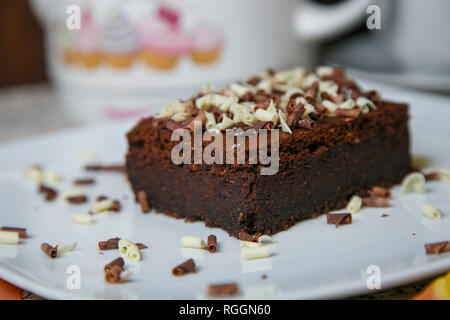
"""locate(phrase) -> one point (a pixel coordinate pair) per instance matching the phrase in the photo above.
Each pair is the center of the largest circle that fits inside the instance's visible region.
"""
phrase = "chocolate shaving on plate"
(109, 244)
(99, 167)
(432, 176)
(339, 218)
(380, 192)
(77, 199)
(101, 198)
(116, 262)
(379, 202)
(49, 250)
(223, 290)
(21, 231)
(112, 276)
(212, 243)
(50, 194)
(141, 246)
(143, 201)
(115, 206)
(84, 181)
(186, 267)
(437, 247)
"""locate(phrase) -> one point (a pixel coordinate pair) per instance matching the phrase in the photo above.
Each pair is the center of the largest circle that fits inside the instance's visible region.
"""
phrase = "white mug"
(418, 34)
(140, 54)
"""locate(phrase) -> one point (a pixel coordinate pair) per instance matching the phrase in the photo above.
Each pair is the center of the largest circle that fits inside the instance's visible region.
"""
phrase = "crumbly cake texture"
(335, 141)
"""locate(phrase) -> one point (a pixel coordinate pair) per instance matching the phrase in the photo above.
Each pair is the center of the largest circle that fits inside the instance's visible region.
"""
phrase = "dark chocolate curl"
(307, 124)
(379, 202)
(348, 113)
(339, 218)
(223, 290)
(212, 243)
(21, 231)
(186, 267)
(143, 201)
(116, 262)
(49, 250)
(437, 247)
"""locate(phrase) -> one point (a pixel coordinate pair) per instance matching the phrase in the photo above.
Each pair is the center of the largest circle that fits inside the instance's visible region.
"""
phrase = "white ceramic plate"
(310, 260)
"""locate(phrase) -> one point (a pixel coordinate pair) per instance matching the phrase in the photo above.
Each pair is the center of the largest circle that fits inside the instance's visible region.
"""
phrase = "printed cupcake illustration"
(86, 42)
(68, 46)
(162, 40)
(206, 43)
(118, 41)
(159, 41)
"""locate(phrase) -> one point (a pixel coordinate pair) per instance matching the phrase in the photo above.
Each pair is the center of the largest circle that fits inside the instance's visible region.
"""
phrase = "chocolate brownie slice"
(334, 141)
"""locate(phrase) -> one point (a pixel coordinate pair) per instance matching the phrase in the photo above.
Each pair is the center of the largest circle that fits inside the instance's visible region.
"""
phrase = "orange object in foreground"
(8, 291)
(438, 289)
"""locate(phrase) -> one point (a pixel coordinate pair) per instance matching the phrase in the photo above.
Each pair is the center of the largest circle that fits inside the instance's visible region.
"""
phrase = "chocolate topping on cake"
(288, 91)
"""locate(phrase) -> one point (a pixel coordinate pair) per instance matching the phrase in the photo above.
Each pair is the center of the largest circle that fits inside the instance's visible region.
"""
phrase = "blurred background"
(69, 63)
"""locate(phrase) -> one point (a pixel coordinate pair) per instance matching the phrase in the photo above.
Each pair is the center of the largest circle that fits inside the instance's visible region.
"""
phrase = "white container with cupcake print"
(129, 58)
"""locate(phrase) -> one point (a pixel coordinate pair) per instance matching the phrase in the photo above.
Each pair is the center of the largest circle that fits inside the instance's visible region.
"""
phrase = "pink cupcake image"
(206, 43)
(162, 41)
(86, 42)
(119, 41)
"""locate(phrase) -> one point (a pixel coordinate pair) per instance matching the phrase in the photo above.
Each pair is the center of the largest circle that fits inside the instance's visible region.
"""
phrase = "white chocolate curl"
(133, 253)
(413, 182)
(180, 116)
(226, 123)
(101, 206)
(51, 177)
(354, 204)
(9, 237)
(431, 212)
(264, 115)
(124, 244)
(64, 248)
(249, 244)
(210, 121)
(324, 71)
(283, 123)
(192, 242)
(34, 174)
(82, 218)
(444, 175)
(365, 104)
(249, 253)
(349, 104)
(240, 89)
(265, 239)
(72, 193)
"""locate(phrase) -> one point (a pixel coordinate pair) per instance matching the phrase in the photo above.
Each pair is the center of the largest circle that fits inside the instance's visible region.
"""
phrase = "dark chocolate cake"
(335, 140)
